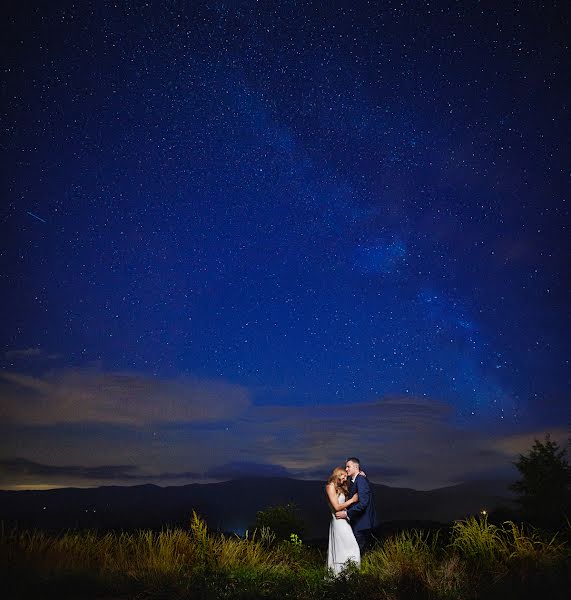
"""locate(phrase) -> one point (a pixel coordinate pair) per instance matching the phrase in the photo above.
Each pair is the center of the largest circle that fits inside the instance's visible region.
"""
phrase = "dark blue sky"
(260, 237)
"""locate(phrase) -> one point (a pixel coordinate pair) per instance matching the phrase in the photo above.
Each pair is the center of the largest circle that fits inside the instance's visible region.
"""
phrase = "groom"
(361, 516)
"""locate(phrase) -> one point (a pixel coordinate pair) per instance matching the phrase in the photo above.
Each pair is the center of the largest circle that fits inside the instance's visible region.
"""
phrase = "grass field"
(474, 560)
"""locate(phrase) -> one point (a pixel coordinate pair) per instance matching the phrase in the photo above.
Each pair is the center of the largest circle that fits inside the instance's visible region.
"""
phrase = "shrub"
(282, 520)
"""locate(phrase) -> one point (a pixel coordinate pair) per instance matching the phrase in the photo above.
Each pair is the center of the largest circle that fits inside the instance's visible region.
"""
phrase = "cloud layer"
(82, 395)
(126, 428)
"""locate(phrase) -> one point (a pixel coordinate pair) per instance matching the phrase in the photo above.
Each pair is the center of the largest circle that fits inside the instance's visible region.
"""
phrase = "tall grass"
(479, 560)
(478, 541)
(488, 546)
(415, 563)
(409, 551)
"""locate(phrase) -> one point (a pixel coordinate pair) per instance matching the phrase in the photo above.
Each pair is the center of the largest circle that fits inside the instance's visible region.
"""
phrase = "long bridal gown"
(342, 544)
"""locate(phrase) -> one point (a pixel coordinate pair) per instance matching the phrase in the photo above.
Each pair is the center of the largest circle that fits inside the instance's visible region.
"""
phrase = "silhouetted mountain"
(232, 505)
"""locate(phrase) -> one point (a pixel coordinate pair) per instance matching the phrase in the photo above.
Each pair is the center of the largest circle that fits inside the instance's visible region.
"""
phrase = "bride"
(343, 546)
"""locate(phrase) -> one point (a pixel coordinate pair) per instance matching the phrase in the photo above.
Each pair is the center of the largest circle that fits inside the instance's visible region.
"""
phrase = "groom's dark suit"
(362, 516)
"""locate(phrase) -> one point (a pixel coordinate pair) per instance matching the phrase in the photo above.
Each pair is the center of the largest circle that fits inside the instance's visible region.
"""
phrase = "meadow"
(474, 559)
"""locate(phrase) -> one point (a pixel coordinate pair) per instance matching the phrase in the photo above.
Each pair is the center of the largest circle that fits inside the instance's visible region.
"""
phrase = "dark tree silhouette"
(545, 484)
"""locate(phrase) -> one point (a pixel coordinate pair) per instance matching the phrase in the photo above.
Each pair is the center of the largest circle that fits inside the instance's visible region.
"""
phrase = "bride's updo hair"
(341, 487)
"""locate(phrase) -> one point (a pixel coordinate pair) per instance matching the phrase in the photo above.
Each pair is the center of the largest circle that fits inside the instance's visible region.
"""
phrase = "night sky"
(255, 238)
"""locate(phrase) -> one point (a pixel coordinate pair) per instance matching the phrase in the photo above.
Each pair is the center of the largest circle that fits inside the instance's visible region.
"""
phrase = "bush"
(282, 520)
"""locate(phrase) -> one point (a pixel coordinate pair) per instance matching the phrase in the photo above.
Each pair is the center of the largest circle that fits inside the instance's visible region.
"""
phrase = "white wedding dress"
(342, 544)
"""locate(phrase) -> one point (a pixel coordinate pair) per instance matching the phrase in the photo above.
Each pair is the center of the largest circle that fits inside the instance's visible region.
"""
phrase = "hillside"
(232, 505)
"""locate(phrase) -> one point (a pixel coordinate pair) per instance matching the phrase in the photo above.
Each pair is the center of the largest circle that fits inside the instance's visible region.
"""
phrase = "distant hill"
(232, 505)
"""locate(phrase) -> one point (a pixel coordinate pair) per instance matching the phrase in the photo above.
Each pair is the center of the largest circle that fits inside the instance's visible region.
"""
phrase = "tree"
(283, 520)
(545, 485)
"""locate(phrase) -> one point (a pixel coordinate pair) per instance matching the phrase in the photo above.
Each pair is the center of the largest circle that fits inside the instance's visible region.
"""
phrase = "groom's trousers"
(363, 538)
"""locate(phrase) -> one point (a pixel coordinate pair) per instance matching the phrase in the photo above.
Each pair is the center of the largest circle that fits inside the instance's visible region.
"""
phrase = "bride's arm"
(353, 500)
(330, 490)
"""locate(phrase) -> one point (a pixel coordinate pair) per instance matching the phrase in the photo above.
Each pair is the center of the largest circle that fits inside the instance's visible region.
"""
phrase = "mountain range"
(232, 505)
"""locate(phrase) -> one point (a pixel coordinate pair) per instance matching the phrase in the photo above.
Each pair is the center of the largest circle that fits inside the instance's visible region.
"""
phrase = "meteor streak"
(35, 216)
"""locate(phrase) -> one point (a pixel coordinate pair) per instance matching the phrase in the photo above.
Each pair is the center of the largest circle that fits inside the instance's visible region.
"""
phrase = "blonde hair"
(340, 488)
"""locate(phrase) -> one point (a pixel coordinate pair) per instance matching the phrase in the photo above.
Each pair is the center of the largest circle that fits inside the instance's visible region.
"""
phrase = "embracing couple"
(350, 497)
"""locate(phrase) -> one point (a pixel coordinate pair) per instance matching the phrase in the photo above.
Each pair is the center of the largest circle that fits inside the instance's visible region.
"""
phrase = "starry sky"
(253, 238)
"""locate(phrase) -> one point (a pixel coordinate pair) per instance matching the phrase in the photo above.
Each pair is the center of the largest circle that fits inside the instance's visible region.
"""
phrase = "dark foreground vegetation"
(476, 559)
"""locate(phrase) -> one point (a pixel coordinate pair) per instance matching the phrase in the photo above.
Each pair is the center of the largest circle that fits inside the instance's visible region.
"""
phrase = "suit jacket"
(362, 515)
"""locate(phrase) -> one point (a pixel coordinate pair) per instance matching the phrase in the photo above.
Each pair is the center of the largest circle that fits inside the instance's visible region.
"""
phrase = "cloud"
(520, 443)
(26, 353)
(88, 395)
(237, 469)
(128, 427)
(504, 472)
(391, 435)
(20, 467)
(394, 437)
(384, 473)
(401, 440)
(29, 353)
